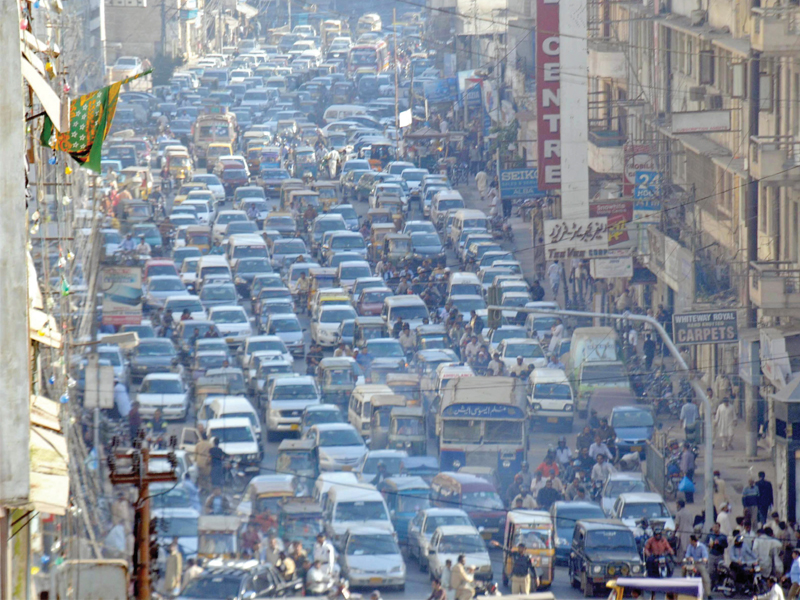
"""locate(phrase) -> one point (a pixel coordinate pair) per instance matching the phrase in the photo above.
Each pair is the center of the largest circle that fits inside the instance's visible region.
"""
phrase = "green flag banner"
(90, 119)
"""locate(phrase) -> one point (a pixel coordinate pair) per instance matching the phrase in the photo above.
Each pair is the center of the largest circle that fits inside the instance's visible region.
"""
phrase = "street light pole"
(708, 455)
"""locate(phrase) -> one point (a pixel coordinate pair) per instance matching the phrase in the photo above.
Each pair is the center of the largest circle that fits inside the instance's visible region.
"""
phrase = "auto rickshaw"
(378, 233)
(300, 519)
(138, 181)
(319, 279)
(287, 186)
(396, 247)
(382, 406)
(407, 430)
(685, 588)
(218, 536)
(298, 458)
(395, 206)
(368, 328)
(262, 498)
(180, 166)
(328, 196)
(381, 154)
(199, 236)
(431, 337)
(136, 211)
(301, 199)
(303, 161)
(253, 155)
(379, 216)
(405, 497)
(534, 528)
(336, 378)
(405, 384)
(379, 371)
(208, 387)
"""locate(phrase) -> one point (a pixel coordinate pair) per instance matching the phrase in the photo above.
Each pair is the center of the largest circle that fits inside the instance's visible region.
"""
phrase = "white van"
(277, 83)
(443, 201)
(467, 218)
(464, 283)
(229, 407)
(246, 245)
(359, 411)
(337, 112)
(350, 506)
(213, 266)
(329, 479)
(550, 398)
(411, 309)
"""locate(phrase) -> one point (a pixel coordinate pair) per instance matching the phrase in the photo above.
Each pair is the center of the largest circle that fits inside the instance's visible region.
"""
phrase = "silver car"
(424, 524)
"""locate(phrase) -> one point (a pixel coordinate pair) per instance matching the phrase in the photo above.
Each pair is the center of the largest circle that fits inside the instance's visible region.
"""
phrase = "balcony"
(605, 152)
(773, 159)
(775, 29)
(607, 60)
(775, 288)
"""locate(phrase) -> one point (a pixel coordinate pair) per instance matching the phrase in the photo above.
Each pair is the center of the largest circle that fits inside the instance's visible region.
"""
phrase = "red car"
(371, 301)
(233, 176)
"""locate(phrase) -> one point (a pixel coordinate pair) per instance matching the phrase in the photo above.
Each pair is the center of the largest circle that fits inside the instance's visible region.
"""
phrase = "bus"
(368, 23)
(481, 422)
(368, 58)
(215, 126)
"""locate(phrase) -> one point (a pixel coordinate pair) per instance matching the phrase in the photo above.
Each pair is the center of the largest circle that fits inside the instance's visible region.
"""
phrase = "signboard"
(611, 267)
(576, 238)
(713, 327)
(99, 384)
(648, 184)
(701, 121)
(122, 295)
(548, 94)
(619, 213)
(404, 118)
(483, 411)
(473, 96)
(520, 183)
(441, 90)
(637, 157)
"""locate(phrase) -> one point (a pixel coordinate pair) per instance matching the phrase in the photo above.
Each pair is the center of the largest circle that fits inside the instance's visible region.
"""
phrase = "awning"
(246, 10)
(49, 479)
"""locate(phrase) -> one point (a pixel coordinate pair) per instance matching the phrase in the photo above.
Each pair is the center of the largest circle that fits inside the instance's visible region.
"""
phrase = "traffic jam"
(309, 287)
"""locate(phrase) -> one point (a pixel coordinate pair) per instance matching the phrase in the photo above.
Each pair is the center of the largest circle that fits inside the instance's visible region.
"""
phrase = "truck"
(216, 125)
(92, 579)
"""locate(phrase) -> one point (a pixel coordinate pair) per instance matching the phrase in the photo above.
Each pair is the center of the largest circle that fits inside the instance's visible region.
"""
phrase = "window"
(738, 80)
(765, 92)
(707, 67)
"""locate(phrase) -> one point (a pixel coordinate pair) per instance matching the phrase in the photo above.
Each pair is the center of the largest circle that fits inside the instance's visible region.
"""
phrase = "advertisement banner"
(576, 238)
(619, 214)
(520, 183)
(548, 94)
(404, 118)
(441, 90)
(713, 327)
(612, 267)
(637, 157)
(122, 295)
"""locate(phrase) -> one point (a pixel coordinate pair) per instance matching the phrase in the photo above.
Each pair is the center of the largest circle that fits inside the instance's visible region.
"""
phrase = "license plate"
(294, 427)
(636, 448)
(375, 580)
(230, 340)
(347, 468)
(552, 420)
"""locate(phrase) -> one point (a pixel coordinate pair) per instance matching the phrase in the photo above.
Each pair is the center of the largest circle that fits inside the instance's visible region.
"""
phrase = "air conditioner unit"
(714, 102)
(697, 93)
(698, 17)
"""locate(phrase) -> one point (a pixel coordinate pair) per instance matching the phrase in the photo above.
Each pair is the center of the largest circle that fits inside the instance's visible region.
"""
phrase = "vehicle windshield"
(229, 435)
(461, 431)
(408, 426)
(161, 386)
(289, 247)
(212, 588)
(112, 356)
(253, 265)
(245, 415)
(515, 301)
(154, 349)
(648, 510)
(347, 213)
(179, 305)
(409, 313)
(414, 175)
(535, 539)
(284, 326)
(226, 218)
(171, 527)
(211, 361)
(219, 293)
(462, 544)
(566, 518)
(250, 252)
(302, 527)
(524, 350)
(294, 392)
(260, 346)
(631, 418)
(486, 500)
(375, 297)
(413, 501)
(392, 464)
(295, 462)
(368, 545)
(166, 285)
(552, 391)
(337, 315)
(229, 316)
(340, 437)
(625, 486)
(361, 511)
(441, 521)
(615, 539)
(355, 272)
(425, 239)
(337, 377)
(606, 374)
(348, 243)
(465, 305)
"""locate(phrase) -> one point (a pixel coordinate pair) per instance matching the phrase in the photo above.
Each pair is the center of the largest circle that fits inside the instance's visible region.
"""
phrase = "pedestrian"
(684, 520)
(193, 569)
(649, 349)
(687, 466)
(122, 401)
(750, 500)
(724, 422)
(794, 575)
(768, 549)
(722, 386)
(765, 497)
(720, 490)
(462, 578)
(174, 570)
(447, 573)
(724, 519)
(554, 277)
(690, 415)
(134, 420)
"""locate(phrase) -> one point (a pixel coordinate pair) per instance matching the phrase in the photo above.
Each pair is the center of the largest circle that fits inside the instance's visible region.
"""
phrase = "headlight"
(408, 444)
(536, 406)
(456, 463)
(617, 441)
(236, 459)
(597, 569)
(569, 408)
(502, 521)
(397, 569)
(275, 414)
(561, 541)
(252, 457)
(636, 569)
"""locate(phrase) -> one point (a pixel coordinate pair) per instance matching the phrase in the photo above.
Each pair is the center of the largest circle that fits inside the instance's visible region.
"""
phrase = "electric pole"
(138, 474)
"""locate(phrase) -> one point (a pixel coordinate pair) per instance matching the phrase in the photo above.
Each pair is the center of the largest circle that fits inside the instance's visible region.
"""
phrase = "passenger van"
(443, 201)
(475, 496)
(464, 283)
(467, 219)
(550, 398)
(212, 266)
(367, 23)
(411, 309)
(359, 412)
(337, 112)
(329, 479)
(354, 506)
(245, 245)
(229, 407)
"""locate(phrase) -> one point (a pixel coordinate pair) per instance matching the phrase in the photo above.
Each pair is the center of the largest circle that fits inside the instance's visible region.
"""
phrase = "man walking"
(689, 416)
(794, 576)
(725, 421)
(649, 349)
(687, 468)
(554, 276)
(765, 497)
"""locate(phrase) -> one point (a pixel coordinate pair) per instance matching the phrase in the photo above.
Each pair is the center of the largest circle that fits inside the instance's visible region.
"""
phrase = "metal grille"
(655, 468)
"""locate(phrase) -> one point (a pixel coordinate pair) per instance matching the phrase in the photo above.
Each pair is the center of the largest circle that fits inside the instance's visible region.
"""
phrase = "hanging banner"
(122, 295)
(548, 94)
(619, 214)
(576, 238)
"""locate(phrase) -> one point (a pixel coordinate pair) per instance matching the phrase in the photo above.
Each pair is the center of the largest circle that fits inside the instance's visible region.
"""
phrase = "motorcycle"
(663, 566)
(754, 583)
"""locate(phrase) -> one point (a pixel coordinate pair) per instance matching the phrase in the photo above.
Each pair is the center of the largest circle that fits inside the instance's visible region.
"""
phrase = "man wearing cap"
(496, 366)
(324, 554)
(523, 573)
(519, 368)
(143, 248)
(725, 421)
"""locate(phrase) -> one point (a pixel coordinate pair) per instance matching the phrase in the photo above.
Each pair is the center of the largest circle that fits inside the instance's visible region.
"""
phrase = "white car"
(620, 483)
(287, 328)
(339, 446)
(326, 321)
(263, 343)
(224, 217)
(238, 440)
(371, 557)
(422, 526)
(530, 351)
(391, 459)
(631, 508)
(164, 391)
(178, 303)
(213, 184)
(232, 322)
(161, 287)
(287, 398)
(450, 541)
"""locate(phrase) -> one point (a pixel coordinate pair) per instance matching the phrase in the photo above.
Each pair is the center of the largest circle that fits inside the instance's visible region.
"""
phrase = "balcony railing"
(775, 29)
(775, 286)
(774, 158)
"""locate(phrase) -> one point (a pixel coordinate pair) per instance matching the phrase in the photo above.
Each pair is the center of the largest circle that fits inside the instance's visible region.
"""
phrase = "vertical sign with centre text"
(548, 94)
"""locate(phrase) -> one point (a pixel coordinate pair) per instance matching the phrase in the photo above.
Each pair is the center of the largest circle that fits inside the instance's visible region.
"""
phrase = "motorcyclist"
(143, 248)
(656, 547)
(128, 245)
(743, 559)
(584, 462)
(316, 579)
(407, 339)
(302, 287)
(313, 358)
(602, 469)
(548, 467)
(563, 454)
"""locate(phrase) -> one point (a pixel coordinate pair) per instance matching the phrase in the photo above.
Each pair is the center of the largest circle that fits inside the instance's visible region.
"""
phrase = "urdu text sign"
(713, 327)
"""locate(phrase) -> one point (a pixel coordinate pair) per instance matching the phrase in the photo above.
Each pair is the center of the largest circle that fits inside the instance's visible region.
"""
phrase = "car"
(180, 302)
(339, 446)
(213, 184)
(530, 351)
(620, 483)
(285, 251)
(565, 515)
(164, 391)
(218, 294)
(495, 336)
(371, 300)
(371, 557)
(630, 508)
(326, 320)
(288, 329)
(287, 398)
(422, 526)
(115, 358)
(240, 580)
(316, 414)
(232, 322)
(450, 541)
(386, 351)
(368, 467)
(634, 428)
(154, 355)
(466, 303)
(180, 524)
(601, 550)
(224, 217)
(262, 343)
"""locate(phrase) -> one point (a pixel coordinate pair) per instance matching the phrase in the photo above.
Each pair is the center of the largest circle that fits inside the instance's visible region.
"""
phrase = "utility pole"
(14, 334)
(139, 475)
(396, 83)
(163, 28)
(289, 13)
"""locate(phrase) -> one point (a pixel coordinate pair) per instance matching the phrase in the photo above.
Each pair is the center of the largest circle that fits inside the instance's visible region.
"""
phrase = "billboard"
(520, 183)
(441, 90)
(548, 94)
(713, 327)
(701, 121)
(611, 267)
(619, 214)
(576, 238)
(637, 157)
(122, 295)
